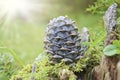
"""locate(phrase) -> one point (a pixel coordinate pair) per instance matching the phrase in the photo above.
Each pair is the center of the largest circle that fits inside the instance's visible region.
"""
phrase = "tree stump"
(109, 68)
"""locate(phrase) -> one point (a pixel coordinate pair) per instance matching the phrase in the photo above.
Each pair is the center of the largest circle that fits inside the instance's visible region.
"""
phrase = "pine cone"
(63, 41)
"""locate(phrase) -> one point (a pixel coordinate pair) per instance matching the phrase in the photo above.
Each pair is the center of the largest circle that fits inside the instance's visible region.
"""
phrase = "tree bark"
(109, 68)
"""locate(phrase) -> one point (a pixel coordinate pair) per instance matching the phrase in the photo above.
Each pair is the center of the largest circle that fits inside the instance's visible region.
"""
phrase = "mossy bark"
(109, 68)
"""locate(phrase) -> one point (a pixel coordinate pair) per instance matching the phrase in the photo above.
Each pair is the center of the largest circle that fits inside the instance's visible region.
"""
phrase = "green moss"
(43, 70)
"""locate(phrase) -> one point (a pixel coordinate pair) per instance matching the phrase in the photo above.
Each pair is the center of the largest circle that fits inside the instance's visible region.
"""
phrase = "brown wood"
(109, 66)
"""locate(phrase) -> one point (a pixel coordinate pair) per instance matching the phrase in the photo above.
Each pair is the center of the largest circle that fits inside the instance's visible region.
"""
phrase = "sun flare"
(12, 8)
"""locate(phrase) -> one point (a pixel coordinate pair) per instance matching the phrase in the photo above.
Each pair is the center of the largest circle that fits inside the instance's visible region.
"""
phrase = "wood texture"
(109, 66)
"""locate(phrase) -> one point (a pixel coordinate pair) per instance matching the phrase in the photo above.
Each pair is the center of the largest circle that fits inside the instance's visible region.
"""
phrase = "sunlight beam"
(11, 9)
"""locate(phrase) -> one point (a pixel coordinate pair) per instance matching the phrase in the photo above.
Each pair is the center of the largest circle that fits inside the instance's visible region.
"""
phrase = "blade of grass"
(13, 53)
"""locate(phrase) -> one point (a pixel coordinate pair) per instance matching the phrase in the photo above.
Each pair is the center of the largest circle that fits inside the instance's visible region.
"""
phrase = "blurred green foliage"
(100, 6)
(24, 40)
(7, 65)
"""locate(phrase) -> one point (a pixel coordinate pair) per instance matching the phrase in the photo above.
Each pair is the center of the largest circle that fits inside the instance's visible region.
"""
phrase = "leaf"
(117, 43)
(110, 50)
